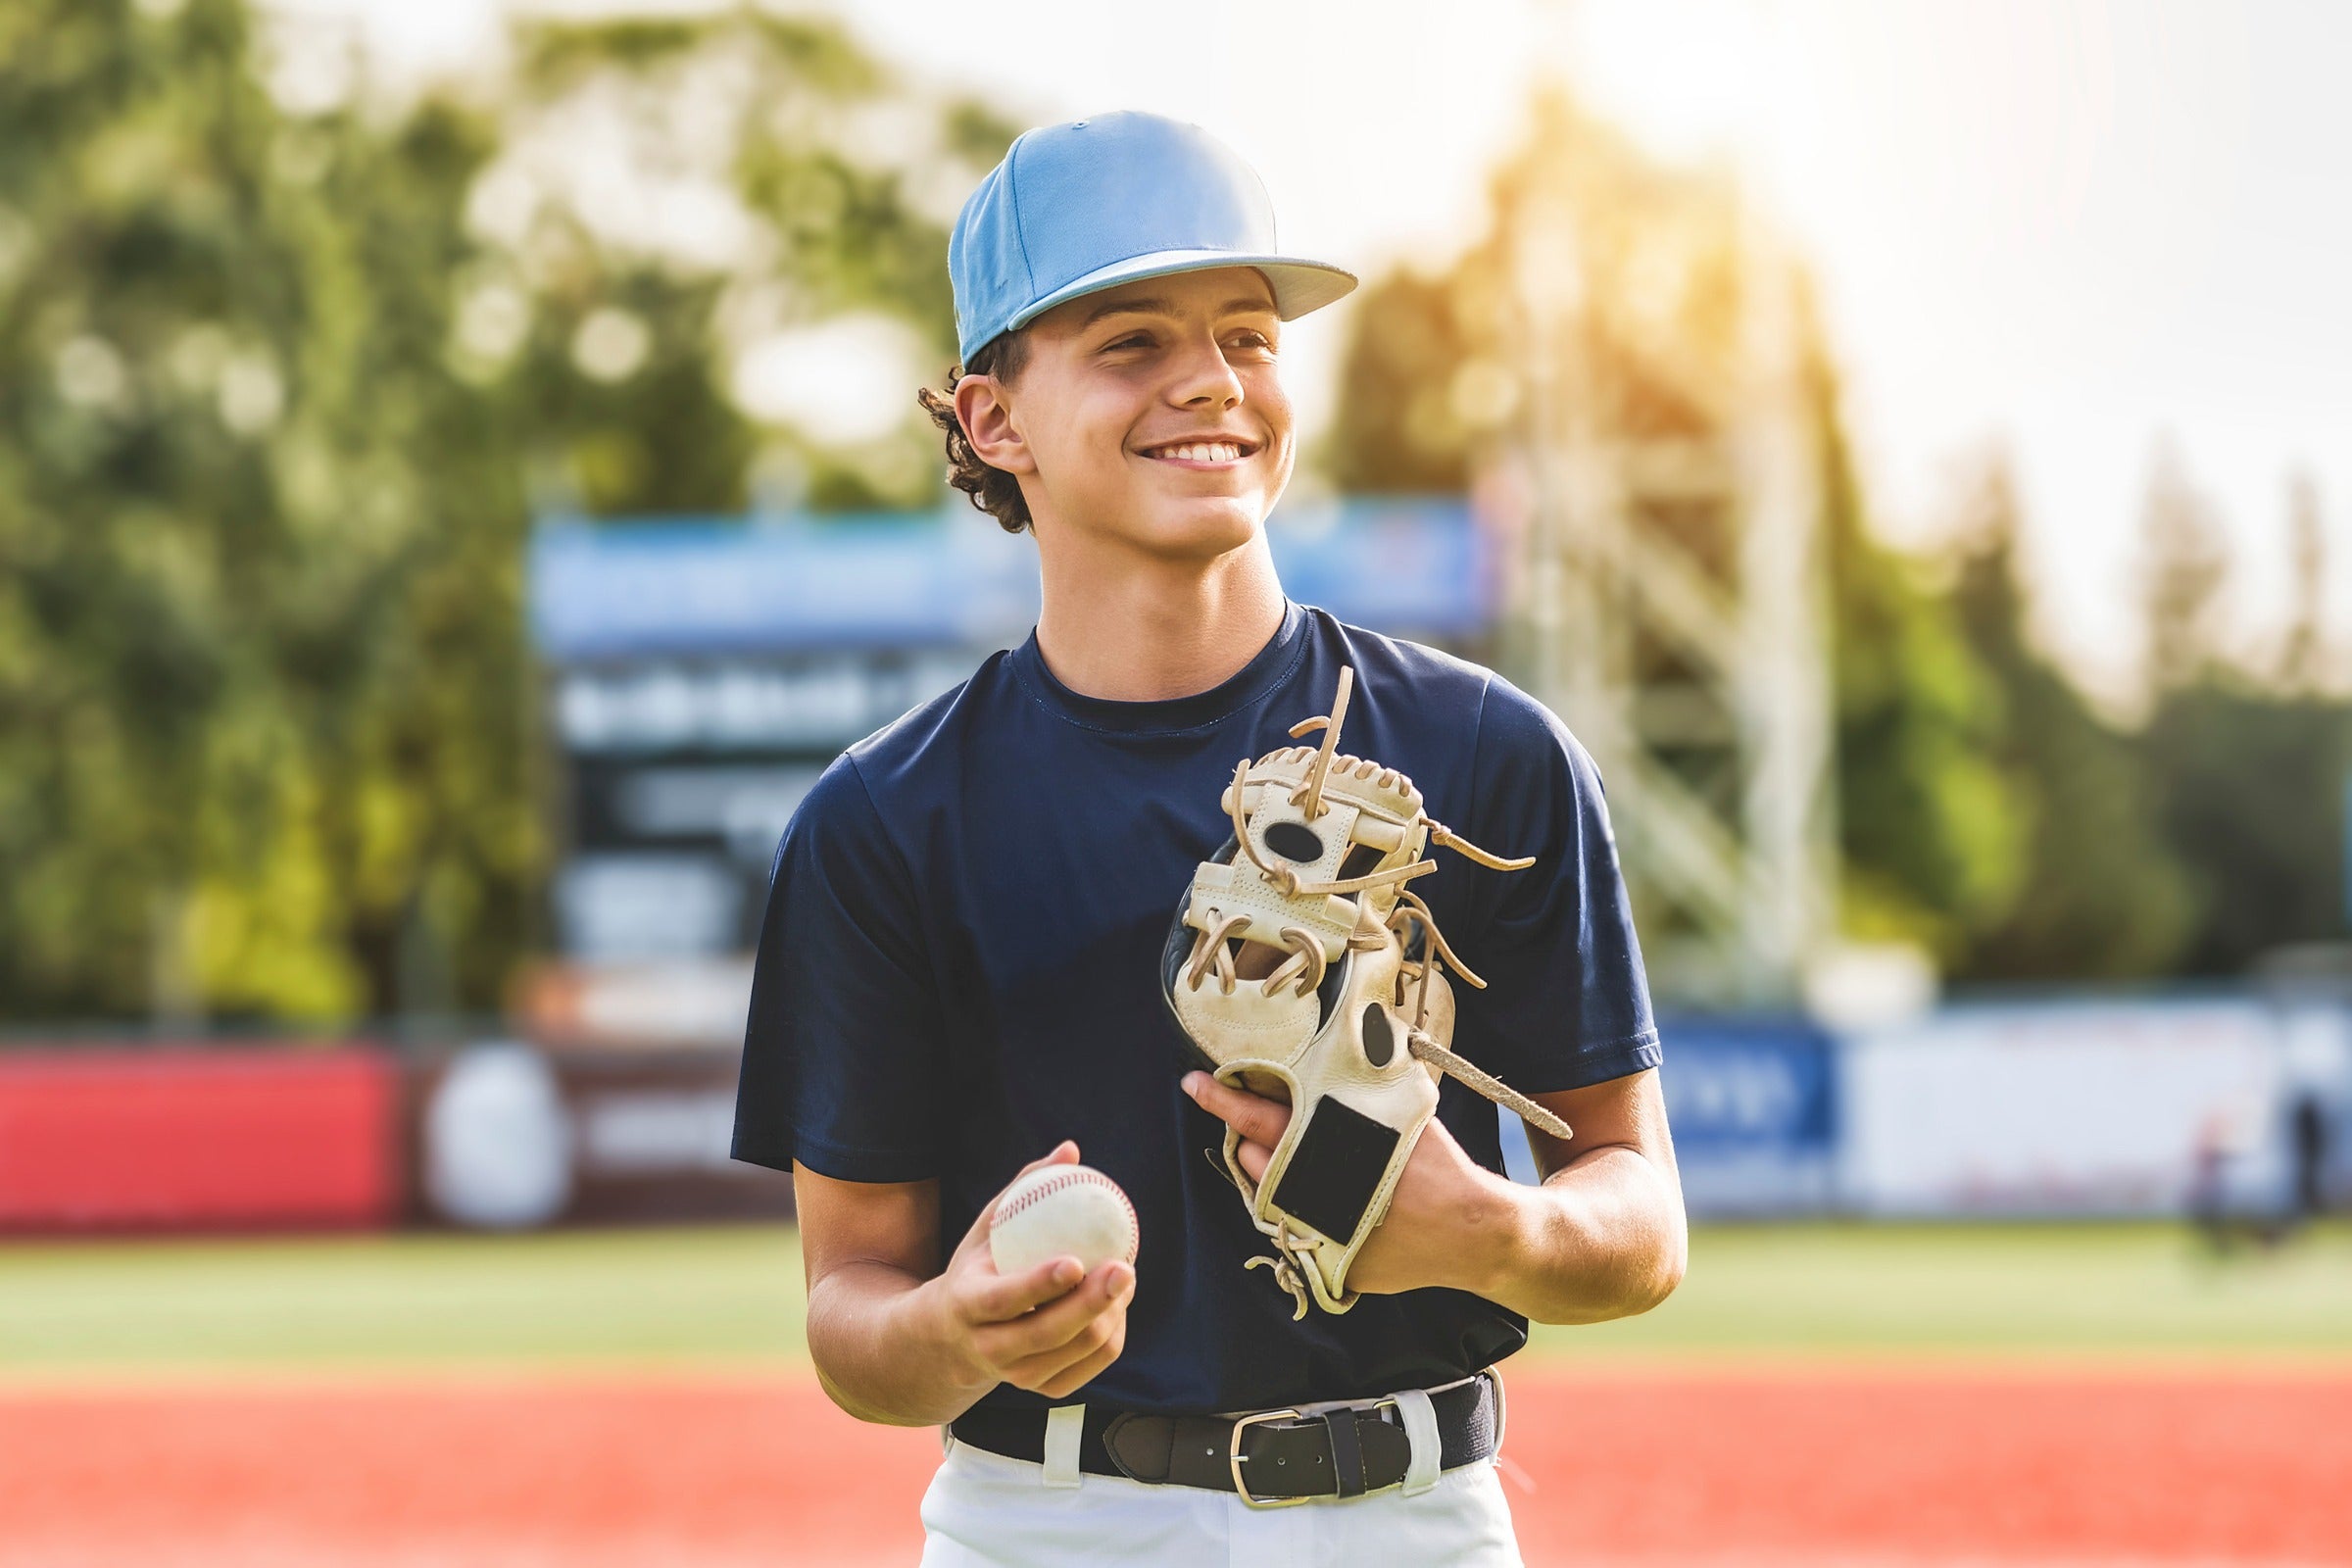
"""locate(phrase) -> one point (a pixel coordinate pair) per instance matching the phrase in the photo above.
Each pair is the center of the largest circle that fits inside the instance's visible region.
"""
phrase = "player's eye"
(1133, 340)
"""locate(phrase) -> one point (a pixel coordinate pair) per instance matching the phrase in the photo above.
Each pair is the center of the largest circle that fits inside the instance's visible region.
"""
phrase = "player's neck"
(1138, 631)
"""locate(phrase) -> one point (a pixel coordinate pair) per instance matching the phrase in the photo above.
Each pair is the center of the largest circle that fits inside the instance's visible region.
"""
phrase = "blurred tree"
(2304, 656)
(687, 212)
(2187, 568)
(1934, 826)
(1396, 432)
(2250, 790)
(2212, 833)
(2247, 766)
(2102, 895)
(258, 718)
(282, 383)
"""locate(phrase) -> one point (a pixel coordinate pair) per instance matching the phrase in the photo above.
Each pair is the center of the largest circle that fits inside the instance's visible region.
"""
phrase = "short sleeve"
(837, 1051)
(1567, 1001)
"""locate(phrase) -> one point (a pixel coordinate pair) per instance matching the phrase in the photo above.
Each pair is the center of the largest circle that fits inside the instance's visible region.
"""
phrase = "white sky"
(2069, 226)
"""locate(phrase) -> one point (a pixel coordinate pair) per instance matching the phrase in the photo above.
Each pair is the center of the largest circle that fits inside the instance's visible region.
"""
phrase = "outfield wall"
(2052, 1107)
(1757, 1108)
(2083, 1107)
(188, 1138)
(349, 1135)
(2068, 1108)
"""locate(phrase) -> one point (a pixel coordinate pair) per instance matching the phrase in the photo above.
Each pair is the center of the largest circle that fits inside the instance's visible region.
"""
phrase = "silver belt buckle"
(1233, 1457)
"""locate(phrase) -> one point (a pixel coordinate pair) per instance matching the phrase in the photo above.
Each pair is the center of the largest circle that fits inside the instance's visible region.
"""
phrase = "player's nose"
(1203, 377)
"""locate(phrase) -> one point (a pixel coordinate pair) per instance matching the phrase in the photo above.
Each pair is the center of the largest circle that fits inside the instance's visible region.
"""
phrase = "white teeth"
(1206, 452)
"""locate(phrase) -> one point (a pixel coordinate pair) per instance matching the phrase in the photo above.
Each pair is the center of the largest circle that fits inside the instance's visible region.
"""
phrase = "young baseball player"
(966, 968)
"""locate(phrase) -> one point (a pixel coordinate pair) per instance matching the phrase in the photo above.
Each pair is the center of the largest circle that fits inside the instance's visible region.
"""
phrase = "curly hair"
(992, 490)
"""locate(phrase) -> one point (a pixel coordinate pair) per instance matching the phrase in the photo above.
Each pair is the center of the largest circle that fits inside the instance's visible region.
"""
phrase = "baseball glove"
(1302, 968)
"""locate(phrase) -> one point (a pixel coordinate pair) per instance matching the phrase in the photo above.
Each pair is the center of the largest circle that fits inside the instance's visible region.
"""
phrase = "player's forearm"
(1604, 1238)
(879, 1340)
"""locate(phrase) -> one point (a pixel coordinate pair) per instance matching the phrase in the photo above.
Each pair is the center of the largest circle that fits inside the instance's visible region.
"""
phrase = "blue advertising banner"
(1755, 1110)
(712, 587)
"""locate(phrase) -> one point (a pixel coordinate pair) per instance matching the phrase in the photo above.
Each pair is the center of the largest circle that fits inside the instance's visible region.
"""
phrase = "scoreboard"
(680, 776)
(700, 673)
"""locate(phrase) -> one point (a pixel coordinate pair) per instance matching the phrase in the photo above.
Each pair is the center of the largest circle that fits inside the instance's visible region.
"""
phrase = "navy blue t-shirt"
(960, 967)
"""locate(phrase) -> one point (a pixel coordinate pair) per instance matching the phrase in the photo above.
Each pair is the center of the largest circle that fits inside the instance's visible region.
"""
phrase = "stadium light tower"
(1671, 602)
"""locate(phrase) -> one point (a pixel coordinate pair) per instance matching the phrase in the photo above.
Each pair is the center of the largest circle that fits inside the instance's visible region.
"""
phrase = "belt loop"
(1064, 1425)
(1420, 1419)
(1347, 1451)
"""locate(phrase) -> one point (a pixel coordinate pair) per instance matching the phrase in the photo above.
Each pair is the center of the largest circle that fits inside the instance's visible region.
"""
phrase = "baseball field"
(1819, 1394)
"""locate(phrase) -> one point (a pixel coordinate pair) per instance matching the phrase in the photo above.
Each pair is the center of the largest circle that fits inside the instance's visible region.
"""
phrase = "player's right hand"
(1050, 1329)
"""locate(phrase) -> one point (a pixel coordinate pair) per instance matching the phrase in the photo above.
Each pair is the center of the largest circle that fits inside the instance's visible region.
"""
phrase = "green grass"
(730, 1296)
(2077, 1291)
(720, 1294)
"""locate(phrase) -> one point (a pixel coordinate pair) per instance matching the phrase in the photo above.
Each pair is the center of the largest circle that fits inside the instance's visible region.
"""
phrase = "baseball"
(1061, 1211)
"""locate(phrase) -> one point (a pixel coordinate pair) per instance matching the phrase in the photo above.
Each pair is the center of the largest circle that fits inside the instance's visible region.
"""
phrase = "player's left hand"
(1442, 1220)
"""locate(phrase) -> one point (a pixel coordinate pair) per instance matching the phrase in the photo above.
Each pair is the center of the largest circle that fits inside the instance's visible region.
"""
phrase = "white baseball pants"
(984, 1510)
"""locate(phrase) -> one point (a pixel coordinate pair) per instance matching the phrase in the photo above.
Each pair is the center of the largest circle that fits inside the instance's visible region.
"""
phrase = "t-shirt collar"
(1172, 716)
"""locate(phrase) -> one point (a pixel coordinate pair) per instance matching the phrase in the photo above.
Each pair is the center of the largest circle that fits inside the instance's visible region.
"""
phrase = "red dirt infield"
(1685, 1466)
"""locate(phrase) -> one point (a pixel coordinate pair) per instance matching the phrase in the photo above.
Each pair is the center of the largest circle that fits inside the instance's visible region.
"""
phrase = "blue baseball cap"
(1091, 203)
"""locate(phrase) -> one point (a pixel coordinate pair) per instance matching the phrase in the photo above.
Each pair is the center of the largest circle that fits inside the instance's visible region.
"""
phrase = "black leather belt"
(1269, 1456)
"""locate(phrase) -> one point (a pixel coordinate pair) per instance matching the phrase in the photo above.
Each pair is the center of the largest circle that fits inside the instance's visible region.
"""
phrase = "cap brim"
(1300, 286)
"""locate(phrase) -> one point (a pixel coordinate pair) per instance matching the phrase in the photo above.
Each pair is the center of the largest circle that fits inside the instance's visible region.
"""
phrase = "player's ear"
(984, 407)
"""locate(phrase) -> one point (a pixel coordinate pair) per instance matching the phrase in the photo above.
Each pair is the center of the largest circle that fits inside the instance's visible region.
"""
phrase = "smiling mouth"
(1201, 454)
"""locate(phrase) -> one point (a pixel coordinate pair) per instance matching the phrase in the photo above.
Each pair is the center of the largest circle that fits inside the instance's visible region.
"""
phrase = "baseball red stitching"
(1009, 1207)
